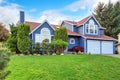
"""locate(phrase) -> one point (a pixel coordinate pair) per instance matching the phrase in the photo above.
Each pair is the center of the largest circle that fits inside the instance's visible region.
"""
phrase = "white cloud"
(53, 16)
(9, 14)
(84, 4)
(79, 4)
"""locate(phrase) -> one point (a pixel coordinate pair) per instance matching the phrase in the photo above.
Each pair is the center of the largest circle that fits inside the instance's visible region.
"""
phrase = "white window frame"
(72, 41)
(91, 26)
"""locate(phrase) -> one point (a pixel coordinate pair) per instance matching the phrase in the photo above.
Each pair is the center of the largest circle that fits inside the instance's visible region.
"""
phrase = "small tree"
(46, 46)
(4, 58)
(23, 40)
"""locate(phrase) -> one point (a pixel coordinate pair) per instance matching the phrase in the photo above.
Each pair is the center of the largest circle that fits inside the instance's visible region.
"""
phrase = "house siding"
(80, 29)
(75, 29)
(101, 32)
(68, 26)
(72, 45)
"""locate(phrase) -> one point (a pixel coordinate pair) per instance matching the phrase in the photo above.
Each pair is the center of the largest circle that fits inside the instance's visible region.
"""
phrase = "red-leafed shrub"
(76, 49)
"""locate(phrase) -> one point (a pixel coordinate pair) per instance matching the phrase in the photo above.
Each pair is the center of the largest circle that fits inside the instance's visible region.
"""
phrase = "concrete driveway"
(114, 55)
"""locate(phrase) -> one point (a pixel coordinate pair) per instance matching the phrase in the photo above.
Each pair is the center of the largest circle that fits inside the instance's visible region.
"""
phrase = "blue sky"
(52, 10)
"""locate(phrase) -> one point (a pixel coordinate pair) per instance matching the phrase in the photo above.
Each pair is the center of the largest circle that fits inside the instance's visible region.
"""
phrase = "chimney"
(22, 17)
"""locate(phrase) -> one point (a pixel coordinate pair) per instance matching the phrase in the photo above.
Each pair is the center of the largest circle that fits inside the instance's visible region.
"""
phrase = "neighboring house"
(86, 33)
(118, 44)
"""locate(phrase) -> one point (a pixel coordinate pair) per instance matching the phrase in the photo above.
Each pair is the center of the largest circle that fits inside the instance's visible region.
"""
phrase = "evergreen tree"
(12, 40)
(109, 17)
(46, 46)
(23, 40)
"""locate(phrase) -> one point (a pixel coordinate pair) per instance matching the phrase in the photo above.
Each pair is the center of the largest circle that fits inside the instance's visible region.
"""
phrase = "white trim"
(72, 39)
(91, 26)
(95, 20)
(40, 25)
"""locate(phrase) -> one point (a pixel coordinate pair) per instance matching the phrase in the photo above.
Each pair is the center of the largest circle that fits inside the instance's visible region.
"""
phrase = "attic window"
(91, 28)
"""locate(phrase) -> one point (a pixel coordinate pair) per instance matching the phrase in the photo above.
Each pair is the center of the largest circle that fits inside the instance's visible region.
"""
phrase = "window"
(72, 41)
(91, 28)
(45, 34)
(45, 31)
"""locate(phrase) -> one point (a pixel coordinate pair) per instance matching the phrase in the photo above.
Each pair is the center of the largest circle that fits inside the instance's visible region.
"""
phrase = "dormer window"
(91, 28)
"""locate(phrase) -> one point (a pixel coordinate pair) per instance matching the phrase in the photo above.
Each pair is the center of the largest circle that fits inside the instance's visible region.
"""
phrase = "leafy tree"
(12, 40)
(23, 40)
(109, 17)
(59, 45)
(4, 59)
(60, 41)
(4, 33)
(61, 33)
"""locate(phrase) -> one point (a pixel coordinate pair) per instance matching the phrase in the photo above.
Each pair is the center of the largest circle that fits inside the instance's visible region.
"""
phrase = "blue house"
(86, 33)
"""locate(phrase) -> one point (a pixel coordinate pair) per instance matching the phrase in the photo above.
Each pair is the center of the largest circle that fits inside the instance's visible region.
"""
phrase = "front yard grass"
(66, 67)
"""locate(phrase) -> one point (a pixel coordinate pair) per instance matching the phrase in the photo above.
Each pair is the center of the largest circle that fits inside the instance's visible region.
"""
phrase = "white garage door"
(107, 47)
(93, 46)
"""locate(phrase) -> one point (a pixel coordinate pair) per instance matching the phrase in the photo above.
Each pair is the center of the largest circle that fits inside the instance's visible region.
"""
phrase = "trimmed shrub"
(59, 45)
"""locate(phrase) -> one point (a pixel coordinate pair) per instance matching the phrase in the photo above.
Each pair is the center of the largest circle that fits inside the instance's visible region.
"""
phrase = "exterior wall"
(80, 29)
(75, 28)
(81, 42)
(76, 42)
(101, 31)
(95, 23)
(38, 31)
(68, 26)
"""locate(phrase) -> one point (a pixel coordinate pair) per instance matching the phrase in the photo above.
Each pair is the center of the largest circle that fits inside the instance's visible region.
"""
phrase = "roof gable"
(34, 26)
(83, 21)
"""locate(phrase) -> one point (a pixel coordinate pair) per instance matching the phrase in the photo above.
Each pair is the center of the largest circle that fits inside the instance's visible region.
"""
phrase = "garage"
(100, 47)
(93, 46)
(107, 47)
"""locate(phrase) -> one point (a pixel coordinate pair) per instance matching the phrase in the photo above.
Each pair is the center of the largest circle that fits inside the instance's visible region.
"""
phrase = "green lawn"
(66, 67)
